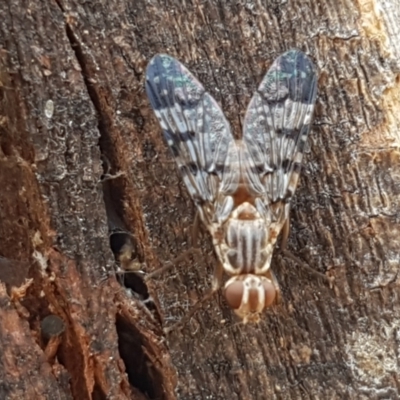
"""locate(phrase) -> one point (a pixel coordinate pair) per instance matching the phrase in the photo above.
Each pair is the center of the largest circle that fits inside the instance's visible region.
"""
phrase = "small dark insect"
(242, 188)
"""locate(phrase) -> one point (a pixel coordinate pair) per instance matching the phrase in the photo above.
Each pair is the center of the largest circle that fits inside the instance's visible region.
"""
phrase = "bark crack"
(134, 348)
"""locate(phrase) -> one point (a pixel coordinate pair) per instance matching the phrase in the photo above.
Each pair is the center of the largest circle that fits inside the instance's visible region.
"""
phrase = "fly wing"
(275, 131)
(197, 133)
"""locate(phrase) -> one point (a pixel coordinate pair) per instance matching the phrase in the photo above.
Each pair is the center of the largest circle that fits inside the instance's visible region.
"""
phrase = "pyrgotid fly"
(242, 188)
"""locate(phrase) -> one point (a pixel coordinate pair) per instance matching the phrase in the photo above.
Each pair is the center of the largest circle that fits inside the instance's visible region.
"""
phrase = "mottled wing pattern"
(195, 129)
(275, 131)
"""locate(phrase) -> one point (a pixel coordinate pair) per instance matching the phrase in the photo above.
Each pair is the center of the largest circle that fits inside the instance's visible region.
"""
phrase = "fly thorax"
(246, 249)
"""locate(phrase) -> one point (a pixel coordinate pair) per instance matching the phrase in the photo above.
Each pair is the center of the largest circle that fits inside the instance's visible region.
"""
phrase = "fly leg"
(184, 255)
(278, 296)
(303, 265)
(216, 284)
(169, 264)
(196, 230)
(285, 234)
(216, 281)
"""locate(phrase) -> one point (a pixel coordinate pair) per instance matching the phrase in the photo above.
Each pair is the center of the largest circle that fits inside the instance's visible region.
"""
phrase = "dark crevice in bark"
(86, 73)
(141, 373)
(98, 393)
(122, 243)
(130, 276)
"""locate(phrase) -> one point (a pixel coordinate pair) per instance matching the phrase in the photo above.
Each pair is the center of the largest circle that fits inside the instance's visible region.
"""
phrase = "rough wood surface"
(72, 91)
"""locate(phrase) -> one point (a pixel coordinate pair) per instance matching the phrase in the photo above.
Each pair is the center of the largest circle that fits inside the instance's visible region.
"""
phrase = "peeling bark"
(72, 95)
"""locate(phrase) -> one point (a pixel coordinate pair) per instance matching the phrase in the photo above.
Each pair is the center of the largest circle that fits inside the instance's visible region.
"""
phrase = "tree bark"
(72, 94)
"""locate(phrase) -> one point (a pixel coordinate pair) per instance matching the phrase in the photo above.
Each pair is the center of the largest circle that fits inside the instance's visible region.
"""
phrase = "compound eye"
(270, 293)
(234, 294)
